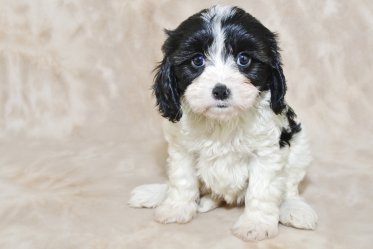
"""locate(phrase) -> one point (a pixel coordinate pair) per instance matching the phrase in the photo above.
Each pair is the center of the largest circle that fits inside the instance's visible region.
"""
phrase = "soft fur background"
(79, 131)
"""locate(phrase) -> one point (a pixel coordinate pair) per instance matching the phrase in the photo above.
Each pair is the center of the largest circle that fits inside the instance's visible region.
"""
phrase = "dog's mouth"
(221, 111)
(222, 106)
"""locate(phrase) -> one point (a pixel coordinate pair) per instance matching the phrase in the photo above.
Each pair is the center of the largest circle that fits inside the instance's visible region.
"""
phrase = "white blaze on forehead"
(214, 16)
(219, 11)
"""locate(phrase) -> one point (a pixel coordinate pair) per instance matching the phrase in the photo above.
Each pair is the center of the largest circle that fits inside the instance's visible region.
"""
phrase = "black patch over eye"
(198, 61)
(243, 59)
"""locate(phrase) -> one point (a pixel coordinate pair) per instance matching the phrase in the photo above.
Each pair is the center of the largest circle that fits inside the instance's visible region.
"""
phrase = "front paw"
(175, 212)
(256, 226)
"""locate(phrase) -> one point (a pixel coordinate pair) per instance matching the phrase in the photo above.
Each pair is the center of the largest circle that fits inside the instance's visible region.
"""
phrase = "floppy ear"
(166, 92)
(277, 83)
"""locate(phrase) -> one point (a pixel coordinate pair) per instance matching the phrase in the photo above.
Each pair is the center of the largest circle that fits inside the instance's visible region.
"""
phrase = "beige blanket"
(79, 129)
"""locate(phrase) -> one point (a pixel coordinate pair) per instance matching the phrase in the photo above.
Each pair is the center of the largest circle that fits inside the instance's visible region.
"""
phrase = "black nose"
(220, 92)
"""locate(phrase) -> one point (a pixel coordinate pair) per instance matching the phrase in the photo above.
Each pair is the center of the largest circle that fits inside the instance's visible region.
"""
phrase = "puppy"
(232, 137)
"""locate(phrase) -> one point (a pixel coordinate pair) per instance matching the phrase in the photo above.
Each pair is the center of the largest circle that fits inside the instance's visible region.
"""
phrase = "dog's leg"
(180, 204)
(263, 196)
(294, 211)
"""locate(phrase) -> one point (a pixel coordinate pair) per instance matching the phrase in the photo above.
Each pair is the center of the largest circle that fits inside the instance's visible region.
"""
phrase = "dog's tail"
(148, 196)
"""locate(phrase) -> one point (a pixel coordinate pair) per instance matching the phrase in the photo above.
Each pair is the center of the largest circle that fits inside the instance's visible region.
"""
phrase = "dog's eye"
(243, 59)
(198, 60)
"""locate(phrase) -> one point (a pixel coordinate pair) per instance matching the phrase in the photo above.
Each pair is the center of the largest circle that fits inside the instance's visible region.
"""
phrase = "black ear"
(166, 92)
(277, 82)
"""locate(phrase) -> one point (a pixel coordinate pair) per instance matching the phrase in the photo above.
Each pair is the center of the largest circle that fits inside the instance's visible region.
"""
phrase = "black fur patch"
(175, 72)
(246, 34)
(293, 128)
(191, 37)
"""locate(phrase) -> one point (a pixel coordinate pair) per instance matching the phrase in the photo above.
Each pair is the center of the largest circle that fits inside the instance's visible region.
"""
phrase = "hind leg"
(294, 211)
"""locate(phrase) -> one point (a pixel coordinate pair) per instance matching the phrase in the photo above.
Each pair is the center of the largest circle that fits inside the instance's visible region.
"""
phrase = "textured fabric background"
(78, 128)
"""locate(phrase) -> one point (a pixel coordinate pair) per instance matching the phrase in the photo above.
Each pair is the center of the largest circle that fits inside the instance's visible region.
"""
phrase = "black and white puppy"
(232, 137)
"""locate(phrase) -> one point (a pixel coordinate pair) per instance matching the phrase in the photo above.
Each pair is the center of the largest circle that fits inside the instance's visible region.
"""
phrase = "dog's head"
(217, 62)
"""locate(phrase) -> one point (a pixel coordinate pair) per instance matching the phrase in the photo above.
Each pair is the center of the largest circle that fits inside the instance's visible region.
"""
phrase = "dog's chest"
(223, 169)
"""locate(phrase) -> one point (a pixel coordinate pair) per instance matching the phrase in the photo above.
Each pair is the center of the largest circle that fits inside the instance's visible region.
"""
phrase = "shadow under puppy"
(232, 137)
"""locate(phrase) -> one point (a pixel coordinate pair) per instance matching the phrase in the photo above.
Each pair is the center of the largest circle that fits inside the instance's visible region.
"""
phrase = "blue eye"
(243, 59)
(198, 61)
